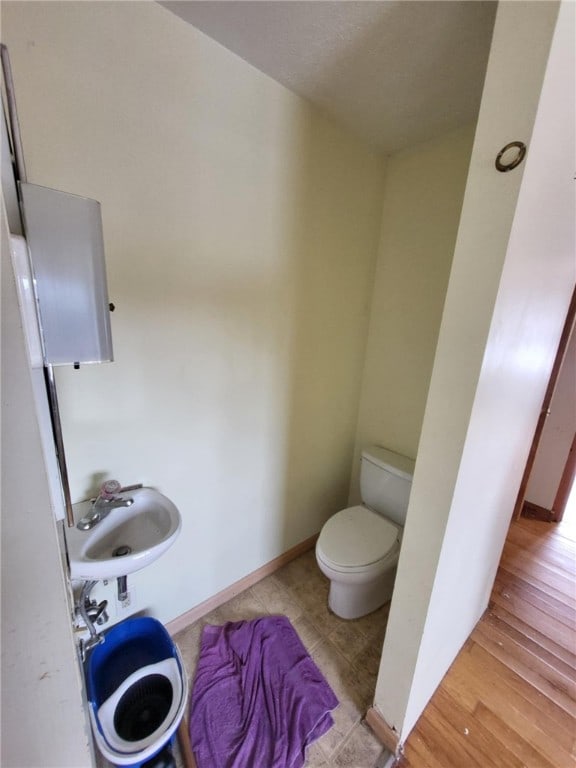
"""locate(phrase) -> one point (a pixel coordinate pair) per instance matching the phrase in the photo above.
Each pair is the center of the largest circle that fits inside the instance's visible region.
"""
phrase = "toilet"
(358, 547)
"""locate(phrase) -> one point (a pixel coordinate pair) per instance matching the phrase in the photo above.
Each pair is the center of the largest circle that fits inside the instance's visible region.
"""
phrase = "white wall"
(557, 435)
(43, 722)
(241, 234)
(507, 298)
(423, 196)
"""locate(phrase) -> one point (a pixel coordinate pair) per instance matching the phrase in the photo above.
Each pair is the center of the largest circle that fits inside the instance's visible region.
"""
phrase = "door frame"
(570, 467)
(566, 483)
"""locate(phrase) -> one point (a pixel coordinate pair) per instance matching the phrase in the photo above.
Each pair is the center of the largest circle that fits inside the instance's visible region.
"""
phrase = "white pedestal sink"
(147, 529)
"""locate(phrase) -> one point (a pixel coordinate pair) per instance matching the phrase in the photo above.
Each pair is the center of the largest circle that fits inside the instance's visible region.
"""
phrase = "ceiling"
(394, 72)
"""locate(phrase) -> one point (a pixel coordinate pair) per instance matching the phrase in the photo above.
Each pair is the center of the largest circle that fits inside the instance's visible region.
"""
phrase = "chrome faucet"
(101, 508)
(106, 501)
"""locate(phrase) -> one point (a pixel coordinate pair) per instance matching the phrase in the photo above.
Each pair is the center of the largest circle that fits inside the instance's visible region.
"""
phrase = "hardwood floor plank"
(545, 677)
(478, 742)
(557, 609)
(546, 540)
(562, 634)
(417, 753)
(478, 677)
(507, 680)
(527, 729)
(559, 531)
(544, 640)
(510, 571)
(538, 576)
(526, 575)
(516, 742)
(543, 534)
(549, 553)
(546, 543)
(549, 545)
(548, 571)
(441, 740)
(537, 644)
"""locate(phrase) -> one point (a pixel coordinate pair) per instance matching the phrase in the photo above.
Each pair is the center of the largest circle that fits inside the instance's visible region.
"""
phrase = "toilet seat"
(357, 539)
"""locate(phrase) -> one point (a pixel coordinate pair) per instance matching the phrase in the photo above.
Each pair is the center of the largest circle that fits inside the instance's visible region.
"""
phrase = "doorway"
(549, 474)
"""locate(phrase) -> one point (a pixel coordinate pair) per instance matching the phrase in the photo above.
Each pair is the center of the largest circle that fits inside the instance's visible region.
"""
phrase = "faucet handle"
(109, 489)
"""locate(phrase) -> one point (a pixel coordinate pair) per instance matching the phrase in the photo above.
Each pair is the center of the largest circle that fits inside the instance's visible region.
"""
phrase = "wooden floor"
(509, 699)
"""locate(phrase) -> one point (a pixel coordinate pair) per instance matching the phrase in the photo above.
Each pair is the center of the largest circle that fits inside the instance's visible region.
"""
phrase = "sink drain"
(122, 550)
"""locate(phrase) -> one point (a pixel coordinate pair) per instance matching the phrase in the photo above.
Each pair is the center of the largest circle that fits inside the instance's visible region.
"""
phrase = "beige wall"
(422, 201)
(241, 234)
(502, 320)
(43, 721)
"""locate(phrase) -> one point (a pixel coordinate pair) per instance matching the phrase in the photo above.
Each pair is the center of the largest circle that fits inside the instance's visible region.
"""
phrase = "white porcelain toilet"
(358, 547)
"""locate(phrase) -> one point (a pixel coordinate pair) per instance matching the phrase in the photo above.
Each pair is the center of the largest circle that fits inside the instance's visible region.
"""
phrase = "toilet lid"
(356, 537)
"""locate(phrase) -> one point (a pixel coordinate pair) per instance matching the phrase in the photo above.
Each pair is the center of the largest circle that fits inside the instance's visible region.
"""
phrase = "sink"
(147, 528)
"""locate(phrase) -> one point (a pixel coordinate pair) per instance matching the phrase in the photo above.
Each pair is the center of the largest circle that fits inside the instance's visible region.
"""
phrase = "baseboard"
(183, 621)
(536, 512)
(184, 744)
(383, 732)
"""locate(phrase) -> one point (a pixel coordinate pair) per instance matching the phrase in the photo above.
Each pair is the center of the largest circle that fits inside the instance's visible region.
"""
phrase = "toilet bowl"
(358, 551)
(358, 547)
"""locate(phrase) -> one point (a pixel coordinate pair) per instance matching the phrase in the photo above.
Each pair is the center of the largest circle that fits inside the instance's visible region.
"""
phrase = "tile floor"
(347, 652)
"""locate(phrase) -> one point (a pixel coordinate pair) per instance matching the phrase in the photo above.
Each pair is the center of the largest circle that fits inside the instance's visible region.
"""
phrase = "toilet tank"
(385, 482)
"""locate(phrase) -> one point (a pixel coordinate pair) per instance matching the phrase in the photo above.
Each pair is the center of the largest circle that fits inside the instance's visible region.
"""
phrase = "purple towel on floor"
(258, 699)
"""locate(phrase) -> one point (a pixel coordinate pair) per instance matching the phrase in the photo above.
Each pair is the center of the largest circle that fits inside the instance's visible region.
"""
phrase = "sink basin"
(148, 528)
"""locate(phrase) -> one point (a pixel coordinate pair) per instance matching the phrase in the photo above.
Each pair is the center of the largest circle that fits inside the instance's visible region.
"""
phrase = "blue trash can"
(137, 692)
